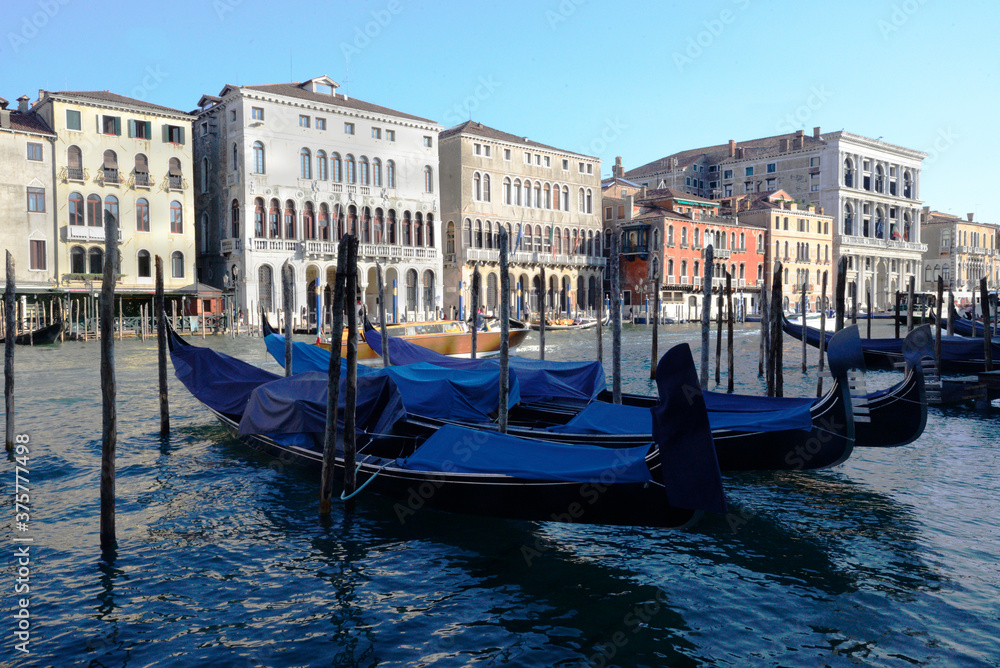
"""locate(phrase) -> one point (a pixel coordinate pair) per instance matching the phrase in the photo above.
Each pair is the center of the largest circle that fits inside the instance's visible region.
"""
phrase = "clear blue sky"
(635, 79)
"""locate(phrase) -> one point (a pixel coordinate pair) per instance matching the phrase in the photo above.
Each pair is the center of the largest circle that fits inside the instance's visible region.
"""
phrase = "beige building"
(548, 200)
(26, 197)
(801, 237)
(961, 251)
(132, 159)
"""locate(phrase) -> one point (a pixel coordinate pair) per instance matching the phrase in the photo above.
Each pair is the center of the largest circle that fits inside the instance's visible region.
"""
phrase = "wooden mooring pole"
(654, 356)
(333, 383)
(381, 314)
(951, 313)
(616, 320)
(805, 352)
(899, 300)
(987, 334)
(822, 338)
(474, 298)
(600, 318)
(706, 313)
(160, 313)
(287, 296)
(504, 331)
(10, 331)
(729, 338)
(109, 426)
(940, 321)
(351, 389)
(841, 291)
(910, 298)
(543, 293)
(869, 314)
(765, 330)
(719, 303)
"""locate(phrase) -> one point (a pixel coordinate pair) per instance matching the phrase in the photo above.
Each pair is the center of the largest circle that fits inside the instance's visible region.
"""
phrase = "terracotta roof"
(114, 98)
(480, 130)
(29, 122)
(716, 154)
(670, 193)
(295, 90)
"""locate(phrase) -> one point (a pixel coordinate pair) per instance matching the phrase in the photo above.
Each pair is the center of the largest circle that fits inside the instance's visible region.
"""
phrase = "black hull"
(631, 504)
(897, 415)
(40, 337)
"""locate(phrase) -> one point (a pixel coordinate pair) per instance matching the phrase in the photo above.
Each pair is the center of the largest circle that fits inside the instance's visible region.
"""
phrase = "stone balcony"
(885, 244)
(539, 258)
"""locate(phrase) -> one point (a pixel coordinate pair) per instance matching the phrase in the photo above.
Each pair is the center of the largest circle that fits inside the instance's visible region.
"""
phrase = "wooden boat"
(447, 337)
(958, 354)
(969, 328)
(564, 324)
(459, 469)
(40, 337)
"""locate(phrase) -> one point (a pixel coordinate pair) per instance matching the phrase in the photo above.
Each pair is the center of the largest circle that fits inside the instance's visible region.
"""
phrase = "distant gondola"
(40, 337)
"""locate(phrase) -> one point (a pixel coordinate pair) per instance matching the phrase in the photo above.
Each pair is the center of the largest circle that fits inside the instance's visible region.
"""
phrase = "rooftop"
(485, 131)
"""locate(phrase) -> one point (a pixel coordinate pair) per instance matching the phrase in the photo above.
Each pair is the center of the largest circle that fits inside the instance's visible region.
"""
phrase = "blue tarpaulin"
(463, 450)
(219, 381)
(307, 357)
(297, 405)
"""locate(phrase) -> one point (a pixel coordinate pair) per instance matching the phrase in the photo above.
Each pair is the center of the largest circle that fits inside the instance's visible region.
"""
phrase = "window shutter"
(118, 125)
(149, 130)
(181, 129)
(99, 128)
(166, 134)
(131, 128)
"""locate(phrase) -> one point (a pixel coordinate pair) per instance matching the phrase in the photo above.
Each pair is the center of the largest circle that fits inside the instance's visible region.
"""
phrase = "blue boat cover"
(307, 357)
(540, 380)
(297, 405)
(604, 418)
(746, 403)
(470, 395)
(456, 449)
(221, 382)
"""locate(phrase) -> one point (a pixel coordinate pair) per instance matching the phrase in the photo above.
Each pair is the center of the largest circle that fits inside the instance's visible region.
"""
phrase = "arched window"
(418, 229)
(204, 175)
(565, 198)
(78, 260)
(258, 158)
(517, 192)
(407, 239)
(76, 209)
(142, 171)
(74, 164)
(907, 185)
(411, 290)
(684, 270)
(290, 219)
(491, 292)
(430, 229)
(363, 167)
(321, 172)
(556, 199)
(506, 191)
(258, 217)
(449, 238)
(849, 219)
(308, 221)
(684, 237)
(670, 235)
(203, 234)
(478, 238)
(392, 238)
(111, 207)
(236, 156)
(590, 201)
(743, 241)
(95, 216)
(670, 270)
(538, 195)
(548, 197)
(428, 179)
(487, 195)
(324, 222)
(429, 290)
(349, 168)
(390, 173)
(337, 167)
(265, 287)
(176, 218)
(848, 173)
(488, 235)
(583, 201)
(879, 179)
(907, 226)
(95, 261)
(305, 164)
(110, 166)
(274, 220)
(527, 193)
(477, 186)
(377, 173)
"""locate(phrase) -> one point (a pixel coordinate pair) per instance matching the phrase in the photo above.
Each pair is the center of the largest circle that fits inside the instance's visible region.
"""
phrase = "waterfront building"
(961, 251)
(27, 208)
(664, 233)
(131, 159)
(870, 187)
(284, 170)
(549, 202)
(800, 236)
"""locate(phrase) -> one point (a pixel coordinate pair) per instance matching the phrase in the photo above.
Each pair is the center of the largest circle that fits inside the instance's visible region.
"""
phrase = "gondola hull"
(40, 337)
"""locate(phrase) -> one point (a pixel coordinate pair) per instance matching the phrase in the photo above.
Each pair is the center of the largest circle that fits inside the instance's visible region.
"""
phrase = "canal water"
(892, 558)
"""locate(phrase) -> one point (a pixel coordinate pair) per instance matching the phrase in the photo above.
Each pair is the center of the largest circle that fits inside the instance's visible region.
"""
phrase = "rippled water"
(889, 559)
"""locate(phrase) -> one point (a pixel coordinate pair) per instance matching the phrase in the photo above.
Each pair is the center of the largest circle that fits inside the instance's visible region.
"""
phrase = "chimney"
(926, 210)
(732, 148)
(816, 132)
(22, 104)
(783, 145)
(642, 193)
(799, 133)
(5, 119)
(969, 216)
(3, 103)
(617, 171)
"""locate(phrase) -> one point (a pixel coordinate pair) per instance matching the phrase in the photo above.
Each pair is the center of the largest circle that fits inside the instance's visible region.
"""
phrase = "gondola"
(461, 469)
(750, 433)
(958, 354)
(40, 337)
(564, 324)
(970, 328)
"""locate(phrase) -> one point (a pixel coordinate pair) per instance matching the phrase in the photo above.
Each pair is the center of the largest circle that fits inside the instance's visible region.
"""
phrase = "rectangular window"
(538, 160)
(73, 121)
(506, 154)
(607, 213)
(303, 121)
(814, 162)
(486, 151)
(621, 211)
(34, 151)
(527, 158)
(428, 142)
(232, 115)
(581, 167)
(477, 149)
(749, 171)
(590, 168)
(111, 125)
(321, 124)
(173, 134)
(772, 167)
(390, 135)
(727, 174)
(376, 133)
(748, 187)
(37, 254)
(348, 128)
(770, 184)
(204, 129)
(565, 165)
(36, 200)
(142, 129)
(256, 113)
(548, 161)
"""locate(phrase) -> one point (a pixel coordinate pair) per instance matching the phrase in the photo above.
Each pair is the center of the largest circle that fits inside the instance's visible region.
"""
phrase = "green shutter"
(166, 134)
(118, 126)
(149, 130)
(131, 128)
(181, 129)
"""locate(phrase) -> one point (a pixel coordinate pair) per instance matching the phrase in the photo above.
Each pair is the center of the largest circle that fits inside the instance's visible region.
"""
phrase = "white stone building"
(870, 187)
(548, 200)
(284, 170)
